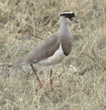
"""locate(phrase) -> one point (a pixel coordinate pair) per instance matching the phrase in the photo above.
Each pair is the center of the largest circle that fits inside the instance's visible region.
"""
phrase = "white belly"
(55, 59)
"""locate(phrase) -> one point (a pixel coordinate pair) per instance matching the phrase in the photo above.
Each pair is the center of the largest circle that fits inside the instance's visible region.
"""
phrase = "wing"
(44, 50)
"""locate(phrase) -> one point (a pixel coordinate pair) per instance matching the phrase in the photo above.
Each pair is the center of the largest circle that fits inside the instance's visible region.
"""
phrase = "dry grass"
(21, 22)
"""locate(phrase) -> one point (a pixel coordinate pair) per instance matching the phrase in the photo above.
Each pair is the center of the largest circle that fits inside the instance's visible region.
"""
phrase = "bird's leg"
(37, 78)
(51, 80)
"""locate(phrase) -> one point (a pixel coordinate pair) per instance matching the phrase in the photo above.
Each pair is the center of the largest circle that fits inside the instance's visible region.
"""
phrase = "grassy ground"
(21, 22)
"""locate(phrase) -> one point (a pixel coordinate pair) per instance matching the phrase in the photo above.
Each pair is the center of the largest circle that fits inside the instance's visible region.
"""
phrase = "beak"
(75, 20)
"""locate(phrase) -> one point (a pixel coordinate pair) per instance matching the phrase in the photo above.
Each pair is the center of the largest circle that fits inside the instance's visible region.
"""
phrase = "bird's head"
(67, 17)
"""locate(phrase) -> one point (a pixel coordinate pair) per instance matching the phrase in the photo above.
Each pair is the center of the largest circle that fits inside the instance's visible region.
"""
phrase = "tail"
(19, 62)
(6, 65)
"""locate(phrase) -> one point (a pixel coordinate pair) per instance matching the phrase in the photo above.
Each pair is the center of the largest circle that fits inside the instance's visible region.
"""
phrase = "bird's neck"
(64, 27)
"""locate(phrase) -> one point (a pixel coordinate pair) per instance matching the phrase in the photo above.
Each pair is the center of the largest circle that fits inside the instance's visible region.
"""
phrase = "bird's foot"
(40, 87)
(52, 90)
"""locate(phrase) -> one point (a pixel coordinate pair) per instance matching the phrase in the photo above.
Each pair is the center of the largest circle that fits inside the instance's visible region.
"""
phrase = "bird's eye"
(71, 19)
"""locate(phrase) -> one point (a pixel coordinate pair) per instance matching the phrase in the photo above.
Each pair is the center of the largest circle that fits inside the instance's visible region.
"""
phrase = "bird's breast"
(57, 57)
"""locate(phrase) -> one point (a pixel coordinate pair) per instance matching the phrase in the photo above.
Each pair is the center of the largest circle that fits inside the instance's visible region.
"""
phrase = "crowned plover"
(52, 50)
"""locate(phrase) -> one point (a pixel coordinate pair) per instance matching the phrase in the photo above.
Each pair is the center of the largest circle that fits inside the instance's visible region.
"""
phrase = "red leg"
(37, 78)
(51, 80)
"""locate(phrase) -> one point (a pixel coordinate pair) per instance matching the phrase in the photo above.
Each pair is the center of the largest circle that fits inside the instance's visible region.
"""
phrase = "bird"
(52, 50)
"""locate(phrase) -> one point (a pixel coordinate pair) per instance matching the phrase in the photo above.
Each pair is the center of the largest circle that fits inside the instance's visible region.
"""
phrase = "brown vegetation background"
(21, 23)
